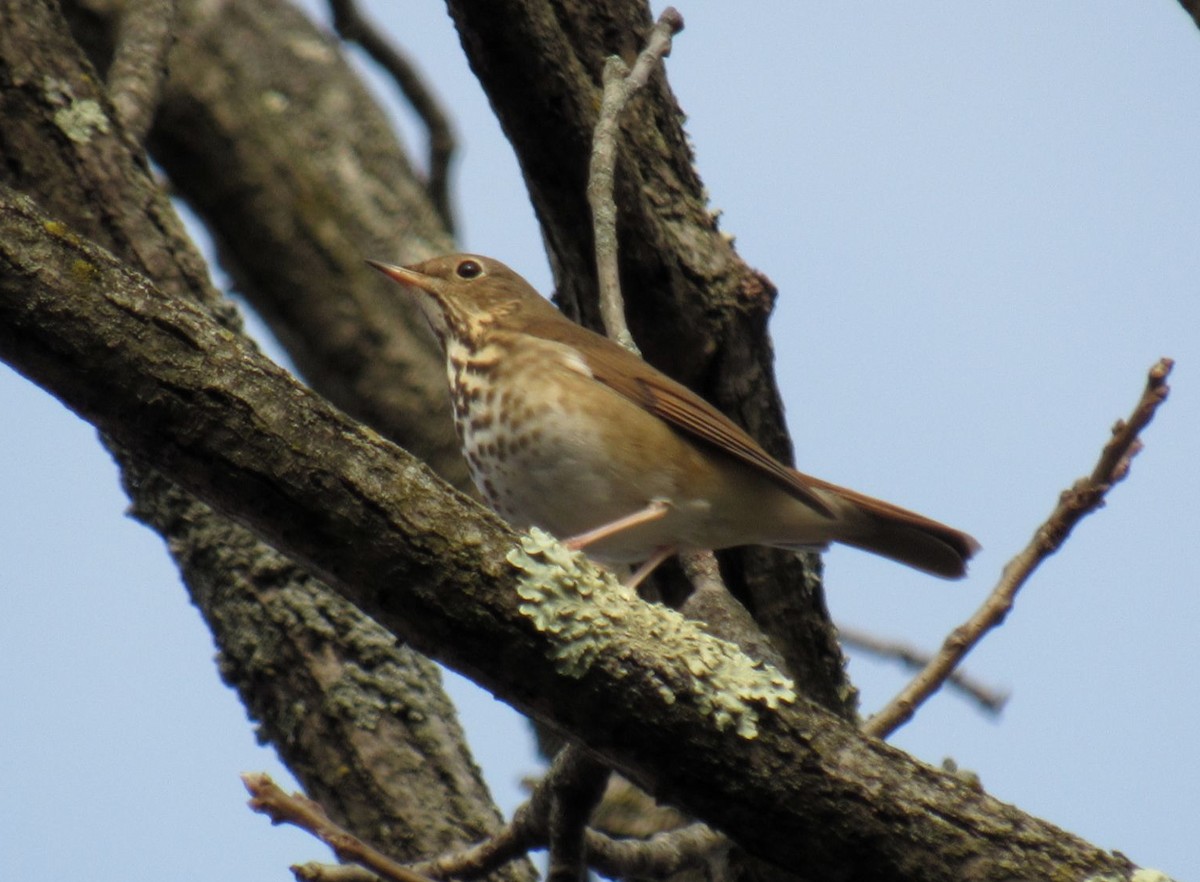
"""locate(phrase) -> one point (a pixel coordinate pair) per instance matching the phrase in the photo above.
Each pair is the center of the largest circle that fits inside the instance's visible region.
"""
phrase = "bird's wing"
(630, 376)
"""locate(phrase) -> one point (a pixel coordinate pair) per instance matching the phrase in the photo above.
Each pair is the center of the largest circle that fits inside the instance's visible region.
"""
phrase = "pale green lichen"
(78, 118)
(1150, 876)
(589, 613)
(1140, 875)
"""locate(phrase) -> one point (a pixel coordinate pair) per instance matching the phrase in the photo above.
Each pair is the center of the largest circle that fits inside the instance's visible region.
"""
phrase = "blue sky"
(982, 220)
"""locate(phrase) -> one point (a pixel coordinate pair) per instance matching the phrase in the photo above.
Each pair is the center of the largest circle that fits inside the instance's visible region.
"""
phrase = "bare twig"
(527, 830)
(352, 25)
(145, 32)
(521, 835)
(989, 698)
(619, 85)
(296, 809)
(1084, 497)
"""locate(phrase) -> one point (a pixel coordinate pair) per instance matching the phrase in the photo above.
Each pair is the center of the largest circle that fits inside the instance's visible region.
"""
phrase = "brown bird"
(565, 430)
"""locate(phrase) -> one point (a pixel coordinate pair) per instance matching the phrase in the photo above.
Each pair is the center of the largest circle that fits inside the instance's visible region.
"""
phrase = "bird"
(565, 430)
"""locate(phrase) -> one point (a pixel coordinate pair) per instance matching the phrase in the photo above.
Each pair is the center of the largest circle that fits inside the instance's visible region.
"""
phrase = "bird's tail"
(905, 536)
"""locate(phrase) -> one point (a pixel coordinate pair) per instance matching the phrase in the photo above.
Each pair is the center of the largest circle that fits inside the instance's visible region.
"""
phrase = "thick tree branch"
(268, 615)
(271, 138)
(807, 791)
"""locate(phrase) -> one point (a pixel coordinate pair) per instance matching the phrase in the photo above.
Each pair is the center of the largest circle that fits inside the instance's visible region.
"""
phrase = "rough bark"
(358, 717)
(293, 225)
(798, 786)
(60, 145)
(272, 139)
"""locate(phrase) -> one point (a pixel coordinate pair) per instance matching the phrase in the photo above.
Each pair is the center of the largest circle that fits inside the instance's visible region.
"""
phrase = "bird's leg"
(657, 509)
(651, 564)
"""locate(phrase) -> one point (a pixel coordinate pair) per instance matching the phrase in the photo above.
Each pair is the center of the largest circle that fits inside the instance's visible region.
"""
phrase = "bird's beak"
(404, 275)
(431, 304)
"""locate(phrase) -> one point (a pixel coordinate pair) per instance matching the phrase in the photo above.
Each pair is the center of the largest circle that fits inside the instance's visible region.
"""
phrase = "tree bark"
(267, 133)
(104, 302)
(691, 720)
(62, 146)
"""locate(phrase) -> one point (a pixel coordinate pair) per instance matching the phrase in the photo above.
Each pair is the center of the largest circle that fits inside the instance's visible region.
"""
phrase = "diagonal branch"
(1076, 503)
(352, 25)
(685, 716)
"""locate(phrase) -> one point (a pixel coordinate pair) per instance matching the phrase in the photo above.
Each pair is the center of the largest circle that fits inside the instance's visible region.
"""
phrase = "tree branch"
(333, 690)
(139, 68)
(684, 716)
(1076, 503)
(352, 25)
(269, 799)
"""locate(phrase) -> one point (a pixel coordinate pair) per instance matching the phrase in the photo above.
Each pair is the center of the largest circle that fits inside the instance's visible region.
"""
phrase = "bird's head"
(465, 294)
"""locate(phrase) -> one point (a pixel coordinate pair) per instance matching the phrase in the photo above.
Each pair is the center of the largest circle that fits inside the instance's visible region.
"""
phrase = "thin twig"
(296, 809)
(519, 836)
(145, 33)
(619, 85)
(352, 25)
(989, 698)
(1074, 504)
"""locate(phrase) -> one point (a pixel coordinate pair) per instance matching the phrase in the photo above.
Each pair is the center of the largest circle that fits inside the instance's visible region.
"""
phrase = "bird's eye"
(469, 269)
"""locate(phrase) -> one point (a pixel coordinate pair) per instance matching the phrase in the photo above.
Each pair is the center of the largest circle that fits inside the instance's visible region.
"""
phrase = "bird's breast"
(549, 445)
